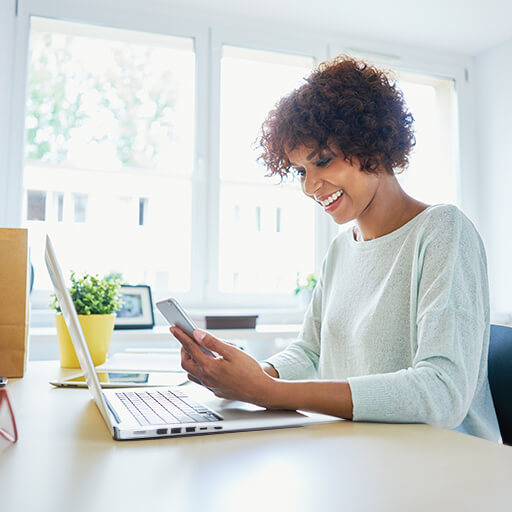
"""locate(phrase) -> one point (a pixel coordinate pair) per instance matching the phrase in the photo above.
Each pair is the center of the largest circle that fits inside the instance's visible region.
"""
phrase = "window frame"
(325, 230)
(210, 32)
(127, 20)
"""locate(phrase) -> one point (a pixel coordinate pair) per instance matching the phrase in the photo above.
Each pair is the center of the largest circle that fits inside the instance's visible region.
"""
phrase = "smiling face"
(340, 187)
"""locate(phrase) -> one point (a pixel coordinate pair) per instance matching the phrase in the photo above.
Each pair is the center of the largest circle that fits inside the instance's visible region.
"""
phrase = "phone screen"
(177, 316)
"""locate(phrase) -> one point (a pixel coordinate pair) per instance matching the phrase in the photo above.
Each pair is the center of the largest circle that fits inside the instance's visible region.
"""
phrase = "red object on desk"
(12, 434)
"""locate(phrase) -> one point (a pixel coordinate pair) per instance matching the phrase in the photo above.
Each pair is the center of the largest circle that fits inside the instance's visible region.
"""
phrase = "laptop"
(139, 413)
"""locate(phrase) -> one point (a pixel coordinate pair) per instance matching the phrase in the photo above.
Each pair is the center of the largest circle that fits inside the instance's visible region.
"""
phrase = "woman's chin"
(340, 218)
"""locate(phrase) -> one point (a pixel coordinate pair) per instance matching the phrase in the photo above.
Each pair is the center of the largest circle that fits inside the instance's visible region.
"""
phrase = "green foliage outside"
(308, 284)
(92, 295)
(134, 101)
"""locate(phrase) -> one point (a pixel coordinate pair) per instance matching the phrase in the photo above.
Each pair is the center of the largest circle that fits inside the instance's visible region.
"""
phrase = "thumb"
(212, 343)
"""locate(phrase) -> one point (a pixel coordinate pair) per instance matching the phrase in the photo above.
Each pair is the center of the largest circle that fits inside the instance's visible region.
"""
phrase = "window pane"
(432, 173)
(80, 207)
(36, 205)
(58, 200)
(143, 210)
(266, 230)
(262, 255)
(110, 131)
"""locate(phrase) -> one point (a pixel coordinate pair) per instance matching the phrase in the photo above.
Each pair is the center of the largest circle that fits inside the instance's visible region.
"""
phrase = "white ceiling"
(463, 26)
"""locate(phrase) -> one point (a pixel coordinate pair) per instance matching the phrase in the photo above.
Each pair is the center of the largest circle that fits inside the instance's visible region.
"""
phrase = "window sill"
(161, 333)
(261, 342)
(43, 318)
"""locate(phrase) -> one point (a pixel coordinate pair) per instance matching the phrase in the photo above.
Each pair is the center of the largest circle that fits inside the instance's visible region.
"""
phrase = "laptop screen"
(75, 329)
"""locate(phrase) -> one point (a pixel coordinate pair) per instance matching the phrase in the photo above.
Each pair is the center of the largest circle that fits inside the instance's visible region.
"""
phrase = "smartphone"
(177, 316)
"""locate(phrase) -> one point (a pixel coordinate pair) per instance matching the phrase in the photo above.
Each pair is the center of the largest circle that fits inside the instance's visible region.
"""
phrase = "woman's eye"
(324, 162)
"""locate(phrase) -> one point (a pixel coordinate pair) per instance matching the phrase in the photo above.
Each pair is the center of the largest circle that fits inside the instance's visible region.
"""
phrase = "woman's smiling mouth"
(332, 201)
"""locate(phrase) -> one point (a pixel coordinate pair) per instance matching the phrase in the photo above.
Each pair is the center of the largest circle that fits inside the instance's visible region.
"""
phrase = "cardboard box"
(14, 295)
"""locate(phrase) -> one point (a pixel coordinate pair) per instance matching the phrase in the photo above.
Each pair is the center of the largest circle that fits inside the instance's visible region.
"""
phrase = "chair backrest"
(500, 377)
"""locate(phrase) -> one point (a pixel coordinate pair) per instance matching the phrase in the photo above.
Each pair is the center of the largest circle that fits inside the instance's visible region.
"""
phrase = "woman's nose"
(310, 183)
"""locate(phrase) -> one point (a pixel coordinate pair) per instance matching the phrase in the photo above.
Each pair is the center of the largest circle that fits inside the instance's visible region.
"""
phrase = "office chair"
(500, 377)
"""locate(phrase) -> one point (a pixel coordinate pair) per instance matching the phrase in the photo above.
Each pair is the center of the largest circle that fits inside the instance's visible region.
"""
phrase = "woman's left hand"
(230, 373)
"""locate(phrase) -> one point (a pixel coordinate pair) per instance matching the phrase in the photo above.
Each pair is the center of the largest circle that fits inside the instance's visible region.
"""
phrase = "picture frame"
(137, 309)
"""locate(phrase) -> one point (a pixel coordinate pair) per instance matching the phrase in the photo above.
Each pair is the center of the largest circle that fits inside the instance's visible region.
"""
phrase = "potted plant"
(96, 300)
(304, 289)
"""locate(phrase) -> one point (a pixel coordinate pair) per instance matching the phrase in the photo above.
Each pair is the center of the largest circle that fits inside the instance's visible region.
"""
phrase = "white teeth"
(331, 198)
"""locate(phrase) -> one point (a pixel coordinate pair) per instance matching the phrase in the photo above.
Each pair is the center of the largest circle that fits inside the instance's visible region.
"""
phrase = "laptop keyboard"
(165, 407)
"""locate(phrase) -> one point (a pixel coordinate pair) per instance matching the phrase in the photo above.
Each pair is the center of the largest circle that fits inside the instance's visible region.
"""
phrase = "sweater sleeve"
(299, 360)
(450, 295)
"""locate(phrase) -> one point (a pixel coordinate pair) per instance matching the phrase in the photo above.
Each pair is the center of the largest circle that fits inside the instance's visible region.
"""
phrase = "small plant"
(92, 295)
(308, 284)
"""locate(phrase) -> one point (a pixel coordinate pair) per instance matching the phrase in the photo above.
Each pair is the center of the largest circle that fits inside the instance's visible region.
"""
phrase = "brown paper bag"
(13, 301)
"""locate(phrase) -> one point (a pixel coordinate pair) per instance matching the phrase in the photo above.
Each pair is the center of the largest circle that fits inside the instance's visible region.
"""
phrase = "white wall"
(494, 124)
(7, 28)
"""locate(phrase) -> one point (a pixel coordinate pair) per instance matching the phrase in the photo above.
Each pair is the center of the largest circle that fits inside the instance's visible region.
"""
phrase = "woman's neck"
(389, 209)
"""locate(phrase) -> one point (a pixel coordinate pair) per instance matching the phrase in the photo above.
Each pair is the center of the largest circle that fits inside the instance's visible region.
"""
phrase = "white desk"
(65, 461)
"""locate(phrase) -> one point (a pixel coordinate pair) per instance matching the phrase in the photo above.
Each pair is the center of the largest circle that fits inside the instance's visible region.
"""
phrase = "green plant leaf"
(92, 295)
(308, 284)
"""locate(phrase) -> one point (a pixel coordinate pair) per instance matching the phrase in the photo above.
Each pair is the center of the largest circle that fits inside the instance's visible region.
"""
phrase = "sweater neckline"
(393, 234)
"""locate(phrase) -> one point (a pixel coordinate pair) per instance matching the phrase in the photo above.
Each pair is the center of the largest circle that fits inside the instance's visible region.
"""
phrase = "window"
(80, 207)
(266, 229)
(140, 159)
(58, 199)
(143, 210)
(36, 205)
(110, 116)
(431, 176)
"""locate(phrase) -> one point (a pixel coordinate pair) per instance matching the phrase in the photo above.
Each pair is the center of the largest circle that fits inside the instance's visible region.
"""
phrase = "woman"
(398, 327)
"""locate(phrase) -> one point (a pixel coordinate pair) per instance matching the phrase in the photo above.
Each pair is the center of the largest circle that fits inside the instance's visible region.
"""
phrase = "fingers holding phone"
(177, 316)
(196, 360)
(221, 367)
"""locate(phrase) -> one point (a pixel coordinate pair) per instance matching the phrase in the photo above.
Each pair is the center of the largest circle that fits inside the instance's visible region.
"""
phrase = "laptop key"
(153, 408)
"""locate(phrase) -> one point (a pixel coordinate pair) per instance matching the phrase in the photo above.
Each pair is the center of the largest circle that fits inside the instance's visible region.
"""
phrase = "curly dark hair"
(346, 103)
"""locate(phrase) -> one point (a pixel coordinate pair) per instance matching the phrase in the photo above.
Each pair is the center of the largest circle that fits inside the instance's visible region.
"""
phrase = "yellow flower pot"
(98, 333)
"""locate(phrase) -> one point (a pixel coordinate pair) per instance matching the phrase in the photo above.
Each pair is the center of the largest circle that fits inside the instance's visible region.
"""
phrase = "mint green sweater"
(405, 319)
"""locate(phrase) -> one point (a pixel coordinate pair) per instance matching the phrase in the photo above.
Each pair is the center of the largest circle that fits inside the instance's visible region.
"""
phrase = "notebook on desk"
(135, 413)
